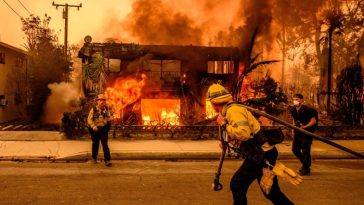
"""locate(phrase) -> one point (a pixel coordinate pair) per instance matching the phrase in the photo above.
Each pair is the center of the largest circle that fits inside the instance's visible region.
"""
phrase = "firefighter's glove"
(266, 181)
(221, 120)
(287, 174)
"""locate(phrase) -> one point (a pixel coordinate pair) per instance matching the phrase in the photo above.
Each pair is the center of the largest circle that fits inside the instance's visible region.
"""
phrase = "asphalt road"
(332, 182)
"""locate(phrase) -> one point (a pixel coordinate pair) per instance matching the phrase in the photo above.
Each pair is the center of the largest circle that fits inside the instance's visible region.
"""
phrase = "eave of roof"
(161, 50)
(13, 48)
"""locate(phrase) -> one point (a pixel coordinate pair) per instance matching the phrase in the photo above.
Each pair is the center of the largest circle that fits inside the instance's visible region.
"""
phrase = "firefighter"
(244, 133)
(99, 122)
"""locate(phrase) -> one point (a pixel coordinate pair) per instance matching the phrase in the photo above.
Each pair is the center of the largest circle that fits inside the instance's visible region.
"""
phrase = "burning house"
(148, 84)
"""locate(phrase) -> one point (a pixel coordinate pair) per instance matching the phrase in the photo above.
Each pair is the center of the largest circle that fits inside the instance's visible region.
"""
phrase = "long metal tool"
(217, 186)
(315, 136)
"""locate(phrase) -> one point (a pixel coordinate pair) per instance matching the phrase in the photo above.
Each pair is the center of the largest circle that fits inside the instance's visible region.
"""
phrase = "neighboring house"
(13, 83)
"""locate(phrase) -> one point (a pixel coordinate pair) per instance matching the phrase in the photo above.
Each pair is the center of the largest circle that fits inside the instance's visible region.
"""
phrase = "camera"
(298, 123)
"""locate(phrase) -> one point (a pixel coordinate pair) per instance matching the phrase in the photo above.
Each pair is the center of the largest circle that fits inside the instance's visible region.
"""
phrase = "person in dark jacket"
(306, 118)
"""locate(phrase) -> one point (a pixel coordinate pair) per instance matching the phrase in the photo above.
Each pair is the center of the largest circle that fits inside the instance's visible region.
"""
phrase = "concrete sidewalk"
(58, 149)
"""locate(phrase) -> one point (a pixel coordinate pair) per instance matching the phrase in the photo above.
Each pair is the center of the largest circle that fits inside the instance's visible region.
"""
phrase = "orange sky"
(87, 20)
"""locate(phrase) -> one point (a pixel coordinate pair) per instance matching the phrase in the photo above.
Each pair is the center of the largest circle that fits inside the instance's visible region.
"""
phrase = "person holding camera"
(306, 118)
(99, 121)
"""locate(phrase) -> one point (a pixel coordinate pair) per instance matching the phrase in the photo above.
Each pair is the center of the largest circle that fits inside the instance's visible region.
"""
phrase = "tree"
(47, 62)
(314, 27)
(273, 99)
(350, 98)
(297, 33)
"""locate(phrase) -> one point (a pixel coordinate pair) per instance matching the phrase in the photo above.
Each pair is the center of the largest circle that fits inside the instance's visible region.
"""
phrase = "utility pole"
(65, 16)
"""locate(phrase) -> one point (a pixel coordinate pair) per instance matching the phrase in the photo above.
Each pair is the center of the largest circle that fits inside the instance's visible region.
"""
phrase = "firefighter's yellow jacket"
(241, 124)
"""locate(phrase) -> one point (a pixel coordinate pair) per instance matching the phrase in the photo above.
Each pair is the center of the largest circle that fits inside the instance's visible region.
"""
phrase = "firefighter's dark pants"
(248, 172)
(101, 134)
(301, 148)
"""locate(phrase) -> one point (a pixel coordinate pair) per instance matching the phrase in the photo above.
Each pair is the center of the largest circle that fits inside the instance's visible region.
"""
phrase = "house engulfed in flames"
(156, 84)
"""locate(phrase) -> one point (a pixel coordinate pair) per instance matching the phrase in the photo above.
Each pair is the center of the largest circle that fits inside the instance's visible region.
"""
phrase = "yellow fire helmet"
(217, 94)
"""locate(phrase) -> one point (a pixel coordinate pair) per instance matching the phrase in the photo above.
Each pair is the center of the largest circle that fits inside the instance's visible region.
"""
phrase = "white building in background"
(13, 83)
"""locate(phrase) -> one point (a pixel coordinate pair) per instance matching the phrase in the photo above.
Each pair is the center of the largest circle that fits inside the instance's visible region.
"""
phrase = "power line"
(12, 9)
(24, 7)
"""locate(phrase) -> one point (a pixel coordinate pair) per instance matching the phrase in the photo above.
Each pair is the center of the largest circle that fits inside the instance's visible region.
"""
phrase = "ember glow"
(160, 111)
(124, 92)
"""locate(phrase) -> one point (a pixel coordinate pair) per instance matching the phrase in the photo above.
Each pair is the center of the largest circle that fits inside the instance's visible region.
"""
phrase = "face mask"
(296, 103)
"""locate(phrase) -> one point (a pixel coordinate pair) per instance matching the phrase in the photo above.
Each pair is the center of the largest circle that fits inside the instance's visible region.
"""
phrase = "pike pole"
(217, 186)
(315, 136)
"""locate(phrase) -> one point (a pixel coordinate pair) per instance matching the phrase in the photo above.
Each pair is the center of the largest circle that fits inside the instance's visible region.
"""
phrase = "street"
(332, 182)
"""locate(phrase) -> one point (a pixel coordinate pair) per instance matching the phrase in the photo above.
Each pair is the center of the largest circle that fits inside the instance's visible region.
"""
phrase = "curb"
(83, 157)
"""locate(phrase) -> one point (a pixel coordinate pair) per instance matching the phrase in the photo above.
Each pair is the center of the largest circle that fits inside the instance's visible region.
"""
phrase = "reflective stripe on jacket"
(242, 125)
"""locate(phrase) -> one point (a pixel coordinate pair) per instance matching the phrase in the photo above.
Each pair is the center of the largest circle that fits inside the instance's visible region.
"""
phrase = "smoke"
(154, 22)
(259, 16)
(213, 23)
(64, 97)
(191, 22)
(206, 22)
(171, 22)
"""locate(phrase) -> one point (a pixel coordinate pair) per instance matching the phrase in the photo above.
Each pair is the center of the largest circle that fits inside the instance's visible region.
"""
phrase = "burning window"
(220, 67)
(113, 65)
(163, 70)
(160, 111)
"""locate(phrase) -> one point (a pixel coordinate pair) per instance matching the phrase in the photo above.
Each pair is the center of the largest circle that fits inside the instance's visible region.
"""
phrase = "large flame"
(160, 111)
(124, 92)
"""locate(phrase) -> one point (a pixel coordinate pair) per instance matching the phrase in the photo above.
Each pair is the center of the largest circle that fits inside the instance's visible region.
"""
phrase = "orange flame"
(160, 111)
(124, 92)
(170, 117)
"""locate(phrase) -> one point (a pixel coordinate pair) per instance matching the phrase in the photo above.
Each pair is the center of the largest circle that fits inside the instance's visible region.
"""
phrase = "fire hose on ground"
(217, 186)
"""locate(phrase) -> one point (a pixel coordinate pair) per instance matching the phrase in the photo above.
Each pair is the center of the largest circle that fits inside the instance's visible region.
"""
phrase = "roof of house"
(132, 51)
(13, 48)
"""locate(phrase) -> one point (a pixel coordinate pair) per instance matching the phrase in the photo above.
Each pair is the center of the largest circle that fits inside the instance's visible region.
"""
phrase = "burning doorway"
(160, 111)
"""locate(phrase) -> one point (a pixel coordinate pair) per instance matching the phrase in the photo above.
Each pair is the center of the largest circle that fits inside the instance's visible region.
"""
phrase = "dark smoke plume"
(256, 15)
(154, 23)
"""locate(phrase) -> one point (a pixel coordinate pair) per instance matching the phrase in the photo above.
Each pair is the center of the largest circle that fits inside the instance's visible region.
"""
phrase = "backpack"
(274, 135)
(315, 114)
